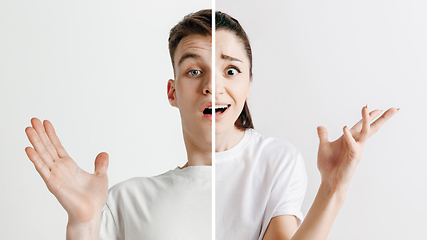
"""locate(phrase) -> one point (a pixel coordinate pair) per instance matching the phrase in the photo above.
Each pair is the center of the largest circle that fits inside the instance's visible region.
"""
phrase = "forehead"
(227, 43)
(194, 44)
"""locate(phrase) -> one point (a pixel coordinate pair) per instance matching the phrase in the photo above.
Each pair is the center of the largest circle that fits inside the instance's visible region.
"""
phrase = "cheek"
(240, 98)
(241, 91)
(186, 93)
(187, 85)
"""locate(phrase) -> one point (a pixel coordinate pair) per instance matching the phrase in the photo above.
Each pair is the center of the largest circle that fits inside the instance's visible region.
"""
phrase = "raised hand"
(80, 193)
(337, 161)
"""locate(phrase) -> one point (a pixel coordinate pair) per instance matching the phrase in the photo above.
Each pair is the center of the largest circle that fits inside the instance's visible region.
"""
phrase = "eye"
(231, 71)
(194, 73)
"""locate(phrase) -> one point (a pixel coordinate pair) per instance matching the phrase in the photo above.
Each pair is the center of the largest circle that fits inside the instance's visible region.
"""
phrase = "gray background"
(98, 70)
(318, 63)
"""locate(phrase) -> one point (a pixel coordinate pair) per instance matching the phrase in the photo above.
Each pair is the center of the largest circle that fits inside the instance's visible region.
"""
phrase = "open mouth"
(218, 109)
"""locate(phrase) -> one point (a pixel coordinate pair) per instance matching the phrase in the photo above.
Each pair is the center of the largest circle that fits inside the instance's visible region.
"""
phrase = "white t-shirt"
(260, 178)
(174, 205)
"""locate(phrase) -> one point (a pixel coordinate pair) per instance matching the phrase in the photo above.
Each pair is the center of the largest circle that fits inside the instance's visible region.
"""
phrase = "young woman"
(174, 205)
(261, 181)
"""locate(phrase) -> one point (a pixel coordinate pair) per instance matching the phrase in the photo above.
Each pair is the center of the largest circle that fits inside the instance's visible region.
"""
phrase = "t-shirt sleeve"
(108, 230)
(296, 185)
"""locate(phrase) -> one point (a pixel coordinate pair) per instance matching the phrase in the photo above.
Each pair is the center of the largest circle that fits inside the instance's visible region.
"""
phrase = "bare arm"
(81, 194)
(337, 162)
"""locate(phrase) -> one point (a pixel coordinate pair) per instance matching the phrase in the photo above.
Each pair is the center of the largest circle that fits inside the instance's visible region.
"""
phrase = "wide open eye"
(194, 73)
(231, 71)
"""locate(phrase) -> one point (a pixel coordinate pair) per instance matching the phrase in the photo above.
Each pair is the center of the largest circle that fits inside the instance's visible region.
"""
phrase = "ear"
(172, 93)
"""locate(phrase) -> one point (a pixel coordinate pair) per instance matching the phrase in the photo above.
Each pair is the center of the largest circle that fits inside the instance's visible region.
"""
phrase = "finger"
(349, 137)
(38, 146)
(322, 132)
(101, 163)
(375, 126)
(358, 126)
(37, 125)
(364, 133)
(41, 167)
(50, 130)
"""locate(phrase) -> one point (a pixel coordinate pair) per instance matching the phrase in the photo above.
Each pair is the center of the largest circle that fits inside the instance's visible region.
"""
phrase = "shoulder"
(270, 156)
(272, 147)
(283, 164)
(140, 186)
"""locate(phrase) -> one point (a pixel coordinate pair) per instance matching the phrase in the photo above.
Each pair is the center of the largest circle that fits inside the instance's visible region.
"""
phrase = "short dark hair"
(194, 23)
(201, 23)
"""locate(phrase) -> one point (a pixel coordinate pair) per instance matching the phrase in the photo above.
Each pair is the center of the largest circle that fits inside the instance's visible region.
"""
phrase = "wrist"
(322, 213)
(331, 192)
(88, 230)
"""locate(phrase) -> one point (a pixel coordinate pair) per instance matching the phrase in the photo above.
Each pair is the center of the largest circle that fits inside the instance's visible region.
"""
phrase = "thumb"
(101, 163)
(323, 135)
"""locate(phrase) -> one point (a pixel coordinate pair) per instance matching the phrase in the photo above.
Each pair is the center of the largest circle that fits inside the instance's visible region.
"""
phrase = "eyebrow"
(229, 58)
(188, 55)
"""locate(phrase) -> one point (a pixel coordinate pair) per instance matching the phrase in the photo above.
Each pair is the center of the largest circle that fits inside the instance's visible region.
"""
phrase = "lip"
(205, 105)
(218, 115)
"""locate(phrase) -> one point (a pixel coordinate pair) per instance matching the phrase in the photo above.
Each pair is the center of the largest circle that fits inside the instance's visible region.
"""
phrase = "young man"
(174, 205)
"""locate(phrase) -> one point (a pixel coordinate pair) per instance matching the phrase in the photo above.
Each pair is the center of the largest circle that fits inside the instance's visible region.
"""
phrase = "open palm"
(80, 193)
(337, 160)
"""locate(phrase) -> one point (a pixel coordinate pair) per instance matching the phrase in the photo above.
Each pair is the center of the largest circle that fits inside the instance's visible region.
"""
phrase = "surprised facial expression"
(232, 80)
(191, 91)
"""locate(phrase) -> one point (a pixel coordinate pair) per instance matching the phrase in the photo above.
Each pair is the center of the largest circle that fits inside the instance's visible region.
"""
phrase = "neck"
(199, 151)
(228, 139)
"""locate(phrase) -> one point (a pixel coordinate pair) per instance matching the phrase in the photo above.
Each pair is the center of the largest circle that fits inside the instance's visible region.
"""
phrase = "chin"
(220, 129)
(200, 131)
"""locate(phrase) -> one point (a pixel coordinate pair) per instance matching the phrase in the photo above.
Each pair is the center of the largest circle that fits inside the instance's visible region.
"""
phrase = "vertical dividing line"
(213, 119)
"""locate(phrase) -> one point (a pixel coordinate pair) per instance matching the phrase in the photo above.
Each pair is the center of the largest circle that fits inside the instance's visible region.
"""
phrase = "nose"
(207, 86)
(219, 84)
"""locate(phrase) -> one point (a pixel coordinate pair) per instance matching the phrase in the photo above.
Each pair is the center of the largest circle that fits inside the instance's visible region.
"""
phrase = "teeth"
(218, 106)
